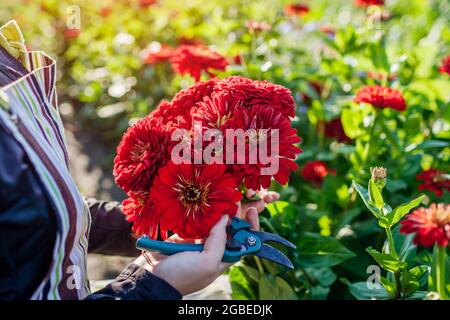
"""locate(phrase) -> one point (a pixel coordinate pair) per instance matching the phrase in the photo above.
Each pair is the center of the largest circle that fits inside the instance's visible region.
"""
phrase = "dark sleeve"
(27, 224)
(136, 283)
(110, 232)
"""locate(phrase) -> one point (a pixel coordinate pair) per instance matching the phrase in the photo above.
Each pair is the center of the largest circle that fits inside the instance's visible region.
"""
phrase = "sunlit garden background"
(113, 70)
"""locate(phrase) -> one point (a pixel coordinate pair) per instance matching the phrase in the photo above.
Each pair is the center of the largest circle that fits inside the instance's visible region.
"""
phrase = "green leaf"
(379, 56)
(324, 276)
(386, 261)
(253, 273)
(361, 291)
(241, 287)
(275, 288)
(400, 211)
(413, 279)
(277, 207)
(375, 194)
(351, 122)
(316, 251)
(364, 194)
(404, 245)
(388, 285)
(319, 292)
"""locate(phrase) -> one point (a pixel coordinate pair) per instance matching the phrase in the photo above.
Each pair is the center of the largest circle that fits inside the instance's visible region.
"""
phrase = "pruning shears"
(242, 241)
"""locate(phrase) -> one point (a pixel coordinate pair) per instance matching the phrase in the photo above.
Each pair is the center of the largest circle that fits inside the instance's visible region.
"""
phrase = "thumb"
(215, 244)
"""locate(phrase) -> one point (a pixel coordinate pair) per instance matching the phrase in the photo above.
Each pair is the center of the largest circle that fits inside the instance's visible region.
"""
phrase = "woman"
(47, 227)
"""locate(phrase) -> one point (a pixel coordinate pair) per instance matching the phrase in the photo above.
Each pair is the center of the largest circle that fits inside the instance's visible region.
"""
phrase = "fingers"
(250, 193)
(215, 244)
(270, 196)
(253, 218)
(258, 205)
(176, 239)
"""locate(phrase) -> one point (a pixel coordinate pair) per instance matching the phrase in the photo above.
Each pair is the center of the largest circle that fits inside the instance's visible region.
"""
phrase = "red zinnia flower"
(334, 129)
(187, 98)
(256, 118)
(298, 9)
(258, 93)
(237, 59)
(71, 33)
(191, 198)
(147, 3)
(315, 172)
(381, 97)
(141, 152)
(214, 111)
(139, 210)
(366, 3)
(431, 225)
(193, 59)
(434, 180)
(445, 67)
(159, 54)
(105, 11)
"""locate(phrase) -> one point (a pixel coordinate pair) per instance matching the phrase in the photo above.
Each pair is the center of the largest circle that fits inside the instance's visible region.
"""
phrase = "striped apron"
(29, 111)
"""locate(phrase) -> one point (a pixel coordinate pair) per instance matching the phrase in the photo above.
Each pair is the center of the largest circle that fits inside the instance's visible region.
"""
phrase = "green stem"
(372, 140)
(259, 265)
(398, 286)
(392, 250)
(440, 272)
(307, 276)
(390, 136)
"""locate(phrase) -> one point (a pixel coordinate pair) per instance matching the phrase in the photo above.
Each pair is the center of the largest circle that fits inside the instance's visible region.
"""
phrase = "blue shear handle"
(167, 248)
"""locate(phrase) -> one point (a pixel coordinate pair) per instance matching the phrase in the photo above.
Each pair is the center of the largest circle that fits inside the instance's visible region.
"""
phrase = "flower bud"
(379, 176)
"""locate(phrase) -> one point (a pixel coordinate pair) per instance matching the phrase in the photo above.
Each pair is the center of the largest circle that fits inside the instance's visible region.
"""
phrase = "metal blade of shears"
(272, 254)
(264, 236)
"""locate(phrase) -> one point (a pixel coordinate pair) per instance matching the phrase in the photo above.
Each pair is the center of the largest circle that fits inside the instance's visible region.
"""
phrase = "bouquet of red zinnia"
(185, 165)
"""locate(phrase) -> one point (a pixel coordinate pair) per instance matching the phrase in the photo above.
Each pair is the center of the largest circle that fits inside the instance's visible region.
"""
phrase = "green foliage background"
(103, 80)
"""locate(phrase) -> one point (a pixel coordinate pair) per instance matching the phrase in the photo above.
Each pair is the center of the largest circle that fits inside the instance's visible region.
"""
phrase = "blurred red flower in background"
(366, 3)
(434, 180)
(445, 67)
(430, 225)
(161, 54)
(263, 117)
(71, 33)
(105, 11)
(334, 129)
(194, 59)
(147, 3)
(191, 198)
(381, 97)
(297, 9)
(315, 172)
(140, 153)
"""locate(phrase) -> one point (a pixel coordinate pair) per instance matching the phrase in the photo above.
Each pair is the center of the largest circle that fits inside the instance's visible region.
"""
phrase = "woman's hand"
(191, 271)
(250, 210)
